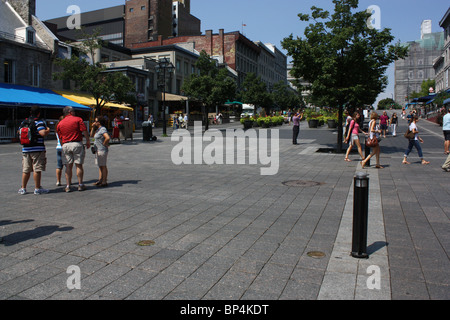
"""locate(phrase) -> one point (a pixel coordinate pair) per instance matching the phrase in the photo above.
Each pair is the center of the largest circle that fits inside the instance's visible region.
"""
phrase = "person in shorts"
(71, 131)
(102, 138)
(34, 157)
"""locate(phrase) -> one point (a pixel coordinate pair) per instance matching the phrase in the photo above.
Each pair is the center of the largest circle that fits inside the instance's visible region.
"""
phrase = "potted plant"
(247, 122)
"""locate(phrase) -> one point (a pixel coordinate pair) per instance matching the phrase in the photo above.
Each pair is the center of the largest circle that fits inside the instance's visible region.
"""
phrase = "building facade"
(234, 50)
(442, 63)
(136, 21)
(418, 66)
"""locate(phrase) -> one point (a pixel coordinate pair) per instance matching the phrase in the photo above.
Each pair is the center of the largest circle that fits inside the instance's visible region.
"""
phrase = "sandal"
(425, 162)
(97, 183)
(406, 162)
(348, 160)
(379, 167)
(363, 164)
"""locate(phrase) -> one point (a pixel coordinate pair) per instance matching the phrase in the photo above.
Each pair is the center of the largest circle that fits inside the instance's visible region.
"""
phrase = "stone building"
(442, 63)
(418, 66)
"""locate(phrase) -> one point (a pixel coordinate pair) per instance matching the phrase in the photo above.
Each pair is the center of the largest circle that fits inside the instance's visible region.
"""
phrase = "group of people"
(378, 130)
(71, 151)
(180, 121)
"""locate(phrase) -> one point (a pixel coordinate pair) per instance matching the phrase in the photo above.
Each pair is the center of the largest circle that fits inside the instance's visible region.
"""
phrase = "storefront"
(16, 101)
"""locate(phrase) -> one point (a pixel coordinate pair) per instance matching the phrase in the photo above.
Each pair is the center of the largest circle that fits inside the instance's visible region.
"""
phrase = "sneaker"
(40, 191)
(58, 184)
(67, 189)
(22, 191)
(81, 187)
(445, 169)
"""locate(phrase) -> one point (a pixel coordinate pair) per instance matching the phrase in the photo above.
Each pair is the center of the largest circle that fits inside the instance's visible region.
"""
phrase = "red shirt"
(70, 129)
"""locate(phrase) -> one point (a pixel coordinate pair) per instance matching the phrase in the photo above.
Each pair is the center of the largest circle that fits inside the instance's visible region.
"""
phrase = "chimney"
(25, 8)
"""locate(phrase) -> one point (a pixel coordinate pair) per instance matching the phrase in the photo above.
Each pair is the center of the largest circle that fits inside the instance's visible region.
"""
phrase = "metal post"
(360, 215)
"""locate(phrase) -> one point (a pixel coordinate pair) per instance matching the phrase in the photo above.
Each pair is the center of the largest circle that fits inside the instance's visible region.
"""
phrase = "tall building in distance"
(418, 66)
(136, 21)
(442, 63)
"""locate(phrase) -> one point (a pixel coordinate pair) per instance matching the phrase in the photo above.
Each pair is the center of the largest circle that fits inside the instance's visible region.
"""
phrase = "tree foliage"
(211, 86)
(94, 78)
(343, 59)
(254, 91)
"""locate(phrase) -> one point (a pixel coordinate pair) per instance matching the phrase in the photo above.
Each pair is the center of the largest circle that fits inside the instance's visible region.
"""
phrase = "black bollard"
(360, 215)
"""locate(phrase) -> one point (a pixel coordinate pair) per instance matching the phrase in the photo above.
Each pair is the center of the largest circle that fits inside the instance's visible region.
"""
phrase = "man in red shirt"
(71, 131)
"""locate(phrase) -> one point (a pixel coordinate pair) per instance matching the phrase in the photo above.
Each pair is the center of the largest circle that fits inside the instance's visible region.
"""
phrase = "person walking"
(446, 130)
(353, 136)
(101, 143)
(34, 154)
(414, 142)
(296, 126)
(374, 132)
(394, 123)
(384, 122)
(71, 131)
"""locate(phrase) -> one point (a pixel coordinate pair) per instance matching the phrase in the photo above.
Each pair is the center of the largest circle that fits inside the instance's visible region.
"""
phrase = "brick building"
(234, 50)
(134, 22)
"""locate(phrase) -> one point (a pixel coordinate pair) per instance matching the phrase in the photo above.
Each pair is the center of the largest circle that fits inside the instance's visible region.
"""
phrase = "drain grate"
(146, 243)
(316, 254)
(302, 183)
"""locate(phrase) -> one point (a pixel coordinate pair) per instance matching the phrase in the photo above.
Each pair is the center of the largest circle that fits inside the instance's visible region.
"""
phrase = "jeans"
(296, 131)
(414, 143)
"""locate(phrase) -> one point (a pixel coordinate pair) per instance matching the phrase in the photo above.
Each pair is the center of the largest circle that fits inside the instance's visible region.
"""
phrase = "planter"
(313, 123)
(248, 124)
(332, 123)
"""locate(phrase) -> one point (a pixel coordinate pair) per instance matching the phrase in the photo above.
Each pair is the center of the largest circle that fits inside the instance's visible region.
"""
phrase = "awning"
(425, 99)
(233, 102)
(89, 101)
(171, 97)
(23, 96)
(447, 101)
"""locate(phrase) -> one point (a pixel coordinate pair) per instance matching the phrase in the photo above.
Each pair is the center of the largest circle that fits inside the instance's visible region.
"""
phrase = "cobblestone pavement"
(225, 232)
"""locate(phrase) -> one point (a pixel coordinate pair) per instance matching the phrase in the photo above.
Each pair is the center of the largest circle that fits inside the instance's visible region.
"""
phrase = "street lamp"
(164, 67)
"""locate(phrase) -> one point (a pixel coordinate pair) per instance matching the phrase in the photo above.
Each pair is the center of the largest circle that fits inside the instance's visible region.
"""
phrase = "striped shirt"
(39, 146)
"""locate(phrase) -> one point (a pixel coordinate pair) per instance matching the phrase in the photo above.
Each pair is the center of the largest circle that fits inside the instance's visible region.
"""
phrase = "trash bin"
(147, 131)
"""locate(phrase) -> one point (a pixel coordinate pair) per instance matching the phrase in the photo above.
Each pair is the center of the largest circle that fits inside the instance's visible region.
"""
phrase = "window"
(30, 37)
(9, 71)
(142, 8)
(420, 74)
(131, 9)
(35, 75)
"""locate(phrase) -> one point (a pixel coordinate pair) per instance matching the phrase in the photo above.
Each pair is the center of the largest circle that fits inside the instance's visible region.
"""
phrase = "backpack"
(28, 132)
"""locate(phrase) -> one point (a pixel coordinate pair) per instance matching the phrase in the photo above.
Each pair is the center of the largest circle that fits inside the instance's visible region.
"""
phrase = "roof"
(23, 96)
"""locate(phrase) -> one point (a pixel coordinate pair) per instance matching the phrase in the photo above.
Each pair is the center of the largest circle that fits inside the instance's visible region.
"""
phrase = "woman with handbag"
(372, 141)
(353, 136)
(414, 142)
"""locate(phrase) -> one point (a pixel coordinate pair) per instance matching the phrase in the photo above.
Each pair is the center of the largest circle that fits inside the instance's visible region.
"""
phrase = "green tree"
(343, 59)
(93, 77)
(424, 89)
(254, 91)
(388, 103)
(284, 98)
(211, 86)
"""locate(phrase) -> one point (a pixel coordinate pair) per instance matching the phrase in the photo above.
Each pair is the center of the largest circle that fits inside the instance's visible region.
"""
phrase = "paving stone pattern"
(224, 232)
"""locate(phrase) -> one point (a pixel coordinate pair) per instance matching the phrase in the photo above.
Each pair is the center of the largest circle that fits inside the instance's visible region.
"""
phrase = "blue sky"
(270, 21)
